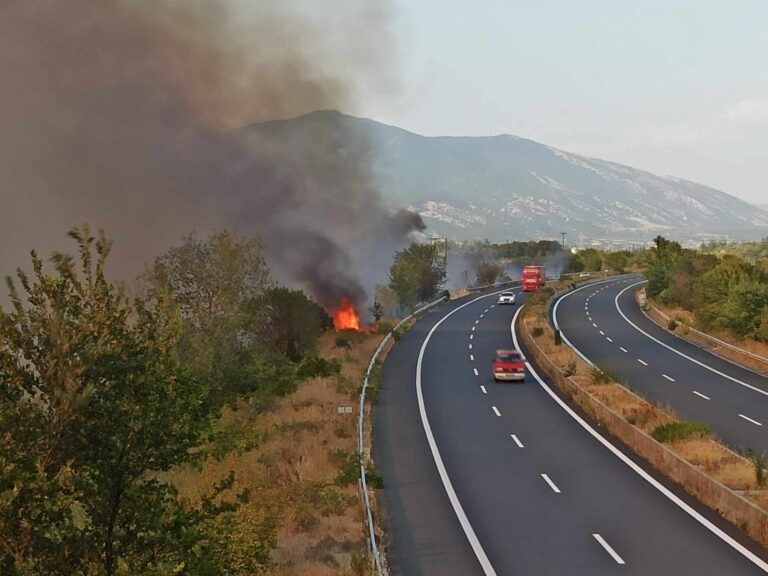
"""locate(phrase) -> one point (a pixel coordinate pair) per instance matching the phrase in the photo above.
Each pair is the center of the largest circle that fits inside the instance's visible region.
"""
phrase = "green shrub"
(682, 430)
(601, 376)
(384, 327)
(758, 461)
(316, 367)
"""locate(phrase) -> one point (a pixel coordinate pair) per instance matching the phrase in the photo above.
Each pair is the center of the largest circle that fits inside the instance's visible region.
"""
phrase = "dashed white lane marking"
(517, 441)
(475, 369)
(609, 339)
(622, 349)
(643, 362)
(748, 419)
(547, 479)
(756, 560)
(611, 551)
(700, 395)
(483, 389)
(602, 333)
(472, 357)
(458, 509)
(668, 378)
(496, 411)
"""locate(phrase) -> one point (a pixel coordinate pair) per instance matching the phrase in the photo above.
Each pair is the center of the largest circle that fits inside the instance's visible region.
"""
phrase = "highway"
(487, 478)
(605, 324)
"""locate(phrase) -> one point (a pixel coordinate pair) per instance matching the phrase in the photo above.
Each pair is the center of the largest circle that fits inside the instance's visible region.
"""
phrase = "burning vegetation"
(345, 317)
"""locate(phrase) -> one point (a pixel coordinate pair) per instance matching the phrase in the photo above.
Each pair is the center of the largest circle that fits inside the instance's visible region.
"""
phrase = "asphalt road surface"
(606, 325)
(487, 478)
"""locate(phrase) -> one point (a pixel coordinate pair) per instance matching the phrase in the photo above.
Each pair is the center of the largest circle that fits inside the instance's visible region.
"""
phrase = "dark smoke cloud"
(120, 113)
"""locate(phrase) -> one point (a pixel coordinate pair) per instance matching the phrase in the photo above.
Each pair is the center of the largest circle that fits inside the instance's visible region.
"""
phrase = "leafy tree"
(416, 274)
(617, 261)
(92, 405)
(293, 322)
(215, 282)
(487, 273)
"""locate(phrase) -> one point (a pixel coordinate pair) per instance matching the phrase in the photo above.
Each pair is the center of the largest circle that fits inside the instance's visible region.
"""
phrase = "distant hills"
(505, 187)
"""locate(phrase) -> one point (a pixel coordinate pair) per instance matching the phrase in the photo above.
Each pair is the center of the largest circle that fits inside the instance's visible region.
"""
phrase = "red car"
(508, 365)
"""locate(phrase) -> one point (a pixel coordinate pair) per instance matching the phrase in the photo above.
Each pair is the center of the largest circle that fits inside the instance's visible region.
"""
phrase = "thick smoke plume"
(122, 114)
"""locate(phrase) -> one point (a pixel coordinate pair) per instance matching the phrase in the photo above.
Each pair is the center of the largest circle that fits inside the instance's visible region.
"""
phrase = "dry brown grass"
(290, 475)
(752, 346)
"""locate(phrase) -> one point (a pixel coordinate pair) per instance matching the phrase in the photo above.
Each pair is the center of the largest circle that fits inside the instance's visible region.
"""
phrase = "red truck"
(533, 277)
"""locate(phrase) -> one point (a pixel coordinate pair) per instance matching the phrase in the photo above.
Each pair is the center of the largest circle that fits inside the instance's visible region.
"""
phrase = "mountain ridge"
(506, 187)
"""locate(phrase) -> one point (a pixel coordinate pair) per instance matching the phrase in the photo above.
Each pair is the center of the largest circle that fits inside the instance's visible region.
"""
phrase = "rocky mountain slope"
(504, 187)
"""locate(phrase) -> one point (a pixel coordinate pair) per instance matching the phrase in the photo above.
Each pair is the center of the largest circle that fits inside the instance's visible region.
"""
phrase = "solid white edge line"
(496, 411)
(636, 468)
(700, 395)
(517, 441)
(668, 347)
(469, 532)
(668, 378)
(552, 485)
(483, 389)
(607, 547)
(747, 418)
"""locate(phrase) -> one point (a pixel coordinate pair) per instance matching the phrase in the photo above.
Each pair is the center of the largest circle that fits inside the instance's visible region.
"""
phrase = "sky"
(676, 88)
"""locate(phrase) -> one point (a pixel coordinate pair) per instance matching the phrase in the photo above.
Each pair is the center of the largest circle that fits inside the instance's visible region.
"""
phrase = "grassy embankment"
(296, 458)
(692, 441)
(682, 319)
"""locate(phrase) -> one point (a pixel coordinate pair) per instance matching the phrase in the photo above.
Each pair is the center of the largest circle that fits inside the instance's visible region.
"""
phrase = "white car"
(507, 298)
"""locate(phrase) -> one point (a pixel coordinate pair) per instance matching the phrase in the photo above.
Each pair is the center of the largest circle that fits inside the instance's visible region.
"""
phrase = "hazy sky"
(678, 88)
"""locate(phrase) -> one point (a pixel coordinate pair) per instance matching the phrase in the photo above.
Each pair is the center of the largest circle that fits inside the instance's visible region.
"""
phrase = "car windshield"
(507, 356)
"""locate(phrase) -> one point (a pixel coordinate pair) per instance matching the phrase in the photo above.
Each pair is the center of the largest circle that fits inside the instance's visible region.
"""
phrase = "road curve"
(541, 494)
(605, 324)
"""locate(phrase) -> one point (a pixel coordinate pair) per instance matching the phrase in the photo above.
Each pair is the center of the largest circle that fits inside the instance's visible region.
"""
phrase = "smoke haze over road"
(121, 114)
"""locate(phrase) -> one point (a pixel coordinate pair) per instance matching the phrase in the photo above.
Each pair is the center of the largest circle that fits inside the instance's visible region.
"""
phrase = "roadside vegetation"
(721, 293)
(191, 427)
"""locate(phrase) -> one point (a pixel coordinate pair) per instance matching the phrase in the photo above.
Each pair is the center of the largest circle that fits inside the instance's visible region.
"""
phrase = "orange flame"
(345, 317)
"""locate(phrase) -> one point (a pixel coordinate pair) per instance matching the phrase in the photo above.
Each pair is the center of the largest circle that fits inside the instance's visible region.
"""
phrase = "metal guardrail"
(375, 552)
(710, 337)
